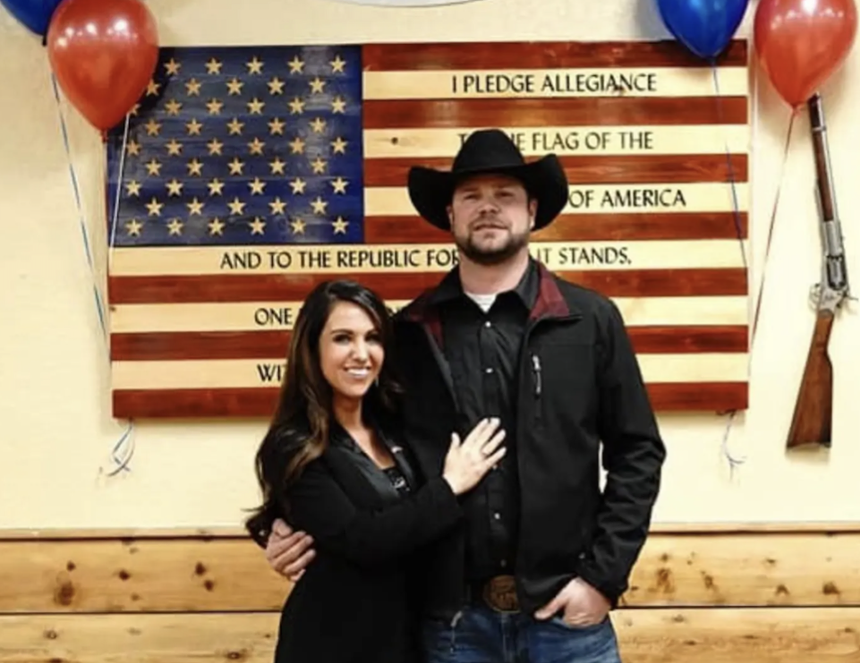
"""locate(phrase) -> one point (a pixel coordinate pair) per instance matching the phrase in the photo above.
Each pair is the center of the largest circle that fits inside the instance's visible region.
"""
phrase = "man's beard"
(495, 255)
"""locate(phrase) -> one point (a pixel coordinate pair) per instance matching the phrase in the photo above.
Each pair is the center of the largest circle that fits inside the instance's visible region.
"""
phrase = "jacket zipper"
(536, 365)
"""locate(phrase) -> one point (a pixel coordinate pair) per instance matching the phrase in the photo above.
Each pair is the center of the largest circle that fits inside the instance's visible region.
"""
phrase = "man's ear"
(450, 210)
(533, 204)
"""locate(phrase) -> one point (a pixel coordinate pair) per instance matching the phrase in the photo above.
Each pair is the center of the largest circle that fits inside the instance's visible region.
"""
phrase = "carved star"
(255, 66)
(152, 127)
(152, 88)
(214, 146)
(153, 167)
(133, 188)
(216, 187)
(235, 127)
(339, 185)
(175, 227)
(298, 226)
(276, 126)
(278, 206)
(298, 185)
(154, 207)
(278, 166)
(214, 106)
(318, 165)
(195, 167)
(195, 207)
(236, 206)
(276, 86)
(296, 65)
(319, 205)
(297, 106)
(172, 67)
(174, 187)
(133, 228)
(213, 66)
(132, 148)
(338, 105)
(338, 145)
(193, 87)
(174, 147)
(194, 127)
(257, 226)
(317, 85)
(256, 146)
(337, 64)
(257, 186)
(318, 125)
(216, 227)
(234, 86)
(173, 107)
(297, 145)
(236, 166)
(340, 225)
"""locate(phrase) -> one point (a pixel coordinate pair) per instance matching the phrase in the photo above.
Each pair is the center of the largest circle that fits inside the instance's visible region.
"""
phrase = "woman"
(333, 465)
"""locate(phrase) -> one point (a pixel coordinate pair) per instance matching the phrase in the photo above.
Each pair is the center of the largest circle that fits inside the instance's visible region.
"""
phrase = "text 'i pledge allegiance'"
(565, 82)
(353, 258)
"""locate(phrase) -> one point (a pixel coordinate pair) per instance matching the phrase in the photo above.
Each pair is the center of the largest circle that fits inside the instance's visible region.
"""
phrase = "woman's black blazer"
(352, 605)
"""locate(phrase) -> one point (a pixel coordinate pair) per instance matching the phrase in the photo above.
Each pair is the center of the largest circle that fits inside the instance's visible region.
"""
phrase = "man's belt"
(499, 593)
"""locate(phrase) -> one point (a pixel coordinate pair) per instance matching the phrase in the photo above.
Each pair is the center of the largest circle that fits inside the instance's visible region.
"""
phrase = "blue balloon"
(35, 14)
(704, 26)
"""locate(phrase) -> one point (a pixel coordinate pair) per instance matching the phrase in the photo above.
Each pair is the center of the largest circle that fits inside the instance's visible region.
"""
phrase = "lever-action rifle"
(812, 420)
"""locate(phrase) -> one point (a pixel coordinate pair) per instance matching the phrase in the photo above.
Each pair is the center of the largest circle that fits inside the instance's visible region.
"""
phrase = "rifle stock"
(813, 411)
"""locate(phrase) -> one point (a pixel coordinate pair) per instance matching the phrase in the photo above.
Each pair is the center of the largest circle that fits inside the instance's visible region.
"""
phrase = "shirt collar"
(526, 290)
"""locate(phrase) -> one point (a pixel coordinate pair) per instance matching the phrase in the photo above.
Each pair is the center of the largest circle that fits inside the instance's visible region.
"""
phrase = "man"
(543, 555)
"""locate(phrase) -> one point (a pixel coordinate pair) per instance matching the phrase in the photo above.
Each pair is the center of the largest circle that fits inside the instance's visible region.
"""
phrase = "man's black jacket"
(579, 386)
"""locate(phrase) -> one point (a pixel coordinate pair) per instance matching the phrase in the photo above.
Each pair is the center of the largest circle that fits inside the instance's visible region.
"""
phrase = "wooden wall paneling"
(741, 635)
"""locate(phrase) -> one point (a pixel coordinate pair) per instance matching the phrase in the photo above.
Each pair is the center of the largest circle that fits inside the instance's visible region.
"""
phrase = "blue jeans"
(479, 635)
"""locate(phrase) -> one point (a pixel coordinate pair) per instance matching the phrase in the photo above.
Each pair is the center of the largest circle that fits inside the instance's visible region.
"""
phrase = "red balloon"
(800, 43)
(104, 53)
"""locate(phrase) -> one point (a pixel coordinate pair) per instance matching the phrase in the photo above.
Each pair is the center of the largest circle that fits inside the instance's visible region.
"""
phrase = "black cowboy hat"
(489, 151)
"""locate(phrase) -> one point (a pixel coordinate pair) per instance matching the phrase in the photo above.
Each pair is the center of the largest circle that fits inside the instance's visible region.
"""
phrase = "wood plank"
(751, 635)
(259, 402)
(591, 169)
(161, 346)
(536, 55)
(231, 574)
(532, 112)
(580, 227)
(137, 576)
(406, 285)
(660, 528)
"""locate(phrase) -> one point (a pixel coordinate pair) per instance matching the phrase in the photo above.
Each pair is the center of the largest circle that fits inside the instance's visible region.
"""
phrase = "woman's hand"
(467, 463)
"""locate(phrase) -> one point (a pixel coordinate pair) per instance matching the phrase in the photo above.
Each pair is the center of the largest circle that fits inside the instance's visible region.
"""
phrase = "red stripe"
(552, 112)
(540, 55)
(260, 402)
(577, 228)
(269, 344)
(407, 285)
(611, 169)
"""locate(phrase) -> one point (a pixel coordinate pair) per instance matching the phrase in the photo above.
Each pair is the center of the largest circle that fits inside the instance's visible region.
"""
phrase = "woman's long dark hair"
(299, 430)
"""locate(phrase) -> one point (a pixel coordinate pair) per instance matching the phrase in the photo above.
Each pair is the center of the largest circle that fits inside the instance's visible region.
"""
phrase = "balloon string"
(772, 222)
(126, 438)
(733, 461)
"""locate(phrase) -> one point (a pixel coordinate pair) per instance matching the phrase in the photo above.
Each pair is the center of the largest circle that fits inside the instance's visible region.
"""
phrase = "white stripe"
(580, 82)
(652, 140)
(257, 316)
(352, 259)
(654, 198)
(243, 373)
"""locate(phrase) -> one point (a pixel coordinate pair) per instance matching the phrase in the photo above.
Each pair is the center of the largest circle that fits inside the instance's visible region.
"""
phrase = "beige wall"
(55, 429)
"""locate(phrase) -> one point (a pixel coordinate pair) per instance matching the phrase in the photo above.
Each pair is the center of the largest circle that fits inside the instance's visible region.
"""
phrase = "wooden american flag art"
(249, 174)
